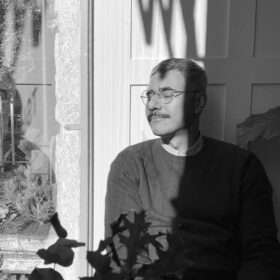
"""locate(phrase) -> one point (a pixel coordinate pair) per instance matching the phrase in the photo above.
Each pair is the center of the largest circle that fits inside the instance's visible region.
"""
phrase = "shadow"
(167, 14)
(167, 20)
(224, 209)
(268, 151)
(147, 19)
(208, 203)
(204, 217)
(188, 15)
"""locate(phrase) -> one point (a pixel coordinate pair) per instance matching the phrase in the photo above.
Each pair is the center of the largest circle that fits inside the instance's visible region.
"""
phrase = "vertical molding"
(255, 27)
(88, 91)
(68, 111)
(111, 95)
(68, 62)
(241, 28)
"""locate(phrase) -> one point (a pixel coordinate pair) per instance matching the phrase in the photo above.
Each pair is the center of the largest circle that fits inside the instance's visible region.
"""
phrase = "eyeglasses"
(165, 95)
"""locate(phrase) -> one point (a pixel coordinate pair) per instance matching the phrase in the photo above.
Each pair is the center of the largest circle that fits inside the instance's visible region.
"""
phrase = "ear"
(200, 102)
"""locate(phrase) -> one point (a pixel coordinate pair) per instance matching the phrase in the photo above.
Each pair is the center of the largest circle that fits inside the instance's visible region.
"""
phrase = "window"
(44, 123)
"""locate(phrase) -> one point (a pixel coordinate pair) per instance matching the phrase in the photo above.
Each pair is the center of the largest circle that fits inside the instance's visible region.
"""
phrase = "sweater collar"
(193, 150)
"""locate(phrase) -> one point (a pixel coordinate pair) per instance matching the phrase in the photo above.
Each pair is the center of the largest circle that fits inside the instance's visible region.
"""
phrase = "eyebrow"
(166, 88)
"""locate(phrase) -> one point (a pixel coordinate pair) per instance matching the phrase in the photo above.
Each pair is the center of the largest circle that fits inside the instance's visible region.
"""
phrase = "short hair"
(195, 75)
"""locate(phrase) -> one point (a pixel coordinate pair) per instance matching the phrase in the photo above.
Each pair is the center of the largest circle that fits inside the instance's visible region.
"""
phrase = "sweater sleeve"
(260, 247)
(122, 188)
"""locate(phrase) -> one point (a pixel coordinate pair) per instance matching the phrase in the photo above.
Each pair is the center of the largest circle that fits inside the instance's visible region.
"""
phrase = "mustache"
(157, 115)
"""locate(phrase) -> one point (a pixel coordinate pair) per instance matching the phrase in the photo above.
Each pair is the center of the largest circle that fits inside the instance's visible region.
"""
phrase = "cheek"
(189, 115)
(183, 112)
(177, 116)
(147, 112)
(180, 111)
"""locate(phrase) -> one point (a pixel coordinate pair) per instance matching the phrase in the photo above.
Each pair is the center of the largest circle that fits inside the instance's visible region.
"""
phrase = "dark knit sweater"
(221, 197)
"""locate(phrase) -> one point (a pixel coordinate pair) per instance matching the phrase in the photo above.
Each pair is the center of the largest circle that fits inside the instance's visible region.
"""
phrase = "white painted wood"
(267, 38)
(265, 97)
(86, 164)
(111, 94)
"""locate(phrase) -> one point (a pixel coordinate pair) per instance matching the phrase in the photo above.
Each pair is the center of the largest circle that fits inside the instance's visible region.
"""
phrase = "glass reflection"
(27, 128)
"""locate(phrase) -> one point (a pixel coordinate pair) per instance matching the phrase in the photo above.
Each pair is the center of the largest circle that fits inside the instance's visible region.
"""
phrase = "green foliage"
(30, 195)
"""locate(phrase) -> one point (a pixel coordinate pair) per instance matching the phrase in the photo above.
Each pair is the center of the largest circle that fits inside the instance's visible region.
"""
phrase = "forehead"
(173, 79)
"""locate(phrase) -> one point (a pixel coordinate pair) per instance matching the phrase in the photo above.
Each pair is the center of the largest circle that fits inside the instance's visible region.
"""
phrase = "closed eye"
(167, 92)
(149, 94)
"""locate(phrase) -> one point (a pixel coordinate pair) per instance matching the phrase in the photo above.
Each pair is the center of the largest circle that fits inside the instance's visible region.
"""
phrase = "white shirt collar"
(193, 150)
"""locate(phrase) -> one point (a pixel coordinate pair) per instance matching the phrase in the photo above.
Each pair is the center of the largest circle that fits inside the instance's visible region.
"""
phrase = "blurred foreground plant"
(109, 263)
(135, 239)
(60, 253)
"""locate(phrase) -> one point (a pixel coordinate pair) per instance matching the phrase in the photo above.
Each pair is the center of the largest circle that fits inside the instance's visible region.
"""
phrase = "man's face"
(167, 119)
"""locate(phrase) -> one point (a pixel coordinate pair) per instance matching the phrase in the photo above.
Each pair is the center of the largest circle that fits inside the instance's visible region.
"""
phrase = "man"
(217, 192)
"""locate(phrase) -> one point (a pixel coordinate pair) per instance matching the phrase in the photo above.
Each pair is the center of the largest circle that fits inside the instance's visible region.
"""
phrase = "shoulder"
(234, 159)
(139, 149)
(134, 154)
(229, 153)
(221, 147)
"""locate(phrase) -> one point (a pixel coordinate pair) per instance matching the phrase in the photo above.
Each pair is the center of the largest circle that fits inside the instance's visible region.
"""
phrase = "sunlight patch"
(200, 20)
(178, 32)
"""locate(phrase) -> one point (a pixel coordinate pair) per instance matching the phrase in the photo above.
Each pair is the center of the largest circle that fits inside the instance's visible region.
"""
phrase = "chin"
(167, 134)
(162, 133)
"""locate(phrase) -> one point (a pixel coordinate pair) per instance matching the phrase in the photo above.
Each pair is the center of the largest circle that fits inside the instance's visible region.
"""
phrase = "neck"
(182, 140)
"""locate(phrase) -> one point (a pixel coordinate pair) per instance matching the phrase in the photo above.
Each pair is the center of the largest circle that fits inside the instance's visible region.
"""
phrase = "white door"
(237, 41)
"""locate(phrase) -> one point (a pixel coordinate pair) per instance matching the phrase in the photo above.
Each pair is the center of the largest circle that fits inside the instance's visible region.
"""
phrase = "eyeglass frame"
(174, 91)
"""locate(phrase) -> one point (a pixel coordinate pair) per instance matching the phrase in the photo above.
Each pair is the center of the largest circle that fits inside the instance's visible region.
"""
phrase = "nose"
(154, 103)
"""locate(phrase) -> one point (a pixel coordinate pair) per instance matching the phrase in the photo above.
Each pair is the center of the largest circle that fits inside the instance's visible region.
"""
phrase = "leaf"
(136, 239)
(101, 263)
(150, 239)
(115, 226)
(98, 261)
(60, 231)
(70, 243)
(60, 252)
(266, 126)
(136, 230)
(109, 243)
(104, 243)
(61, 255)
(170, 262)
(45, 274)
